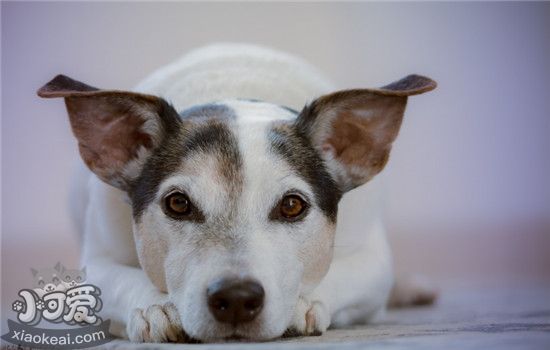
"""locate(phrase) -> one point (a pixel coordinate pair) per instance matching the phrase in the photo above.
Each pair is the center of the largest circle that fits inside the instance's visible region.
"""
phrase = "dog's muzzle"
(235, 301)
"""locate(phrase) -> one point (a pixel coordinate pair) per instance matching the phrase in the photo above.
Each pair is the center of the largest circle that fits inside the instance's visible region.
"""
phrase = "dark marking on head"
(208, 111)
(295, 148)
(255, 100)
(306, 121)
(291, 110)
(208, 135)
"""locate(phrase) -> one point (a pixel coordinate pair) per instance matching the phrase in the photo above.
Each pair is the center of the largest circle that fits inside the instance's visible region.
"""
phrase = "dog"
(48, 280)
(210, 210)
(58, 278)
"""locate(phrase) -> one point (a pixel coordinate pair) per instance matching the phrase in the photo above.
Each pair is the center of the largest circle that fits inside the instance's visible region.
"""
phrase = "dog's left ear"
(116, 130)
(354, 129)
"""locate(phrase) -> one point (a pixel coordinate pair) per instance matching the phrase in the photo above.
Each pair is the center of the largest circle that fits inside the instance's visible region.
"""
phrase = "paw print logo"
(39, 305)
(79, 316)
(17, 306)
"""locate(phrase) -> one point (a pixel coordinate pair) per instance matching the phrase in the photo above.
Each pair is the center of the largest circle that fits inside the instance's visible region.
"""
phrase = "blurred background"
(468, 199)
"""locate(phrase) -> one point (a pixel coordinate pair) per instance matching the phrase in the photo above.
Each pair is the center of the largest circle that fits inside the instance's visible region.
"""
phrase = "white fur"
(223, 71)
(359, 279)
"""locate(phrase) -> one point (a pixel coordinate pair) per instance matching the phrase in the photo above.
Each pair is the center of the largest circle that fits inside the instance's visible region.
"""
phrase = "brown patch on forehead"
(214, 137)
(209, 135)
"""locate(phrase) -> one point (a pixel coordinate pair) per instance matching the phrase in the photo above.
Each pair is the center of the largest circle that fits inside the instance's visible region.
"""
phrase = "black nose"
(235, 301)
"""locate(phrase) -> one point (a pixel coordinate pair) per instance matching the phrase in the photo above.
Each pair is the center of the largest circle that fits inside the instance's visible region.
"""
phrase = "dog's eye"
(177, 205)
(67, 278)
(292, 207)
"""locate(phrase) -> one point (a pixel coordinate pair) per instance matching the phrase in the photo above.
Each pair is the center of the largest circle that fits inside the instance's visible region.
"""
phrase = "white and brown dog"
(214, 216)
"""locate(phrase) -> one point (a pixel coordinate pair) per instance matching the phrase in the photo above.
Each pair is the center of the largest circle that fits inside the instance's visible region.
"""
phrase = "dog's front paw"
(156, 324)
(310, 318)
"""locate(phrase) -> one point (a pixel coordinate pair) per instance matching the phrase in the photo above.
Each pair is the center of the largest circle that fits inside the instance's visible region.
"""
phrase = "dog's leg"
(138, 310)
(412, 291)
(355, 289)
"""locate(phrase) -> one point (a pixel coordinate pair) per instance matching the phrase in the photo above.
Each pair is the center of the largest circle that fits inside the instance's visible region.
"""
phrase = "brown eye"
(292, 206)
(177, 205)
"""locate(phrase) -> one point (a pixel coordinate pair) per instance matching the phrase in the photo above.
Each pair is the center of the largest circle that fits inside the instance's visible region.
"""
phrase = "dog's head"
(235, 202)
(47, 279)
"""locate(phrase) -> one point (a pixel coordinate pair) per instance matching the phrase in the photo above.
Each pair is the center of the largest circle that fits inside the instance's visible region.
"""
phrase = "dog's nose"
(235, 301)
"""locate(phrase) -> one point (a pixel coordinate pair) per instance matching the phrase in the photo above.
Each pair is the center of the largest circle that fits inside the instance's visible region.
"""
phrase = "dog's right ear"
(116, 130)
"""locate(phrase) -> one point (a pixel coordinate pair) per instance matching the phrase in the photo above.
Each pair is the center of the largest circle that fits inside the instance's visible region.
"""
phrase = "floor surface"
(512, 317)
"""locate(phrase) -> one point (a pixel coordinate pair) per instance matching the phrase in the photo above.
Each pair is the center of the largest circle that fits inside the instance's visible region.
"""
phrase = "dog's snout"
(235, 301)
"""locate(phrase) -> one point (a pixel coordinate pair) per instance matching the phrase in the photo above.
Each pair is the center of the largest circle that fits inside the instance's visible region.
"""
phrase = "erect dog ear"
(116, 130)
(354, 129)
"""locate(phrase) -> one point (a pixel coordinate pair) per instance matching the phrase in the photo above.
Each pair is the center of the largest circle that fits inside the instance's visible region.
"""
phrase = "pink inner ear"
(361, 141)
(351, 139)
(110, 135)
(357, 127)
